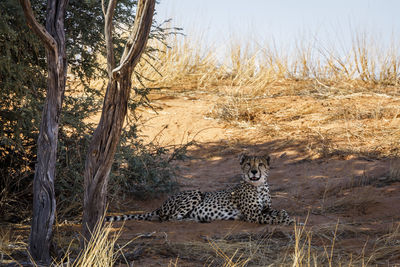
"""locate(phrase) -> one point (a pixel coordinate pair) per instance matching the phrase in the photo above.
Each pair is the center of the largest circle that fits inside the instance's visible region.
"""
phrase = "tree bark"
(44, 203)
(107, 134)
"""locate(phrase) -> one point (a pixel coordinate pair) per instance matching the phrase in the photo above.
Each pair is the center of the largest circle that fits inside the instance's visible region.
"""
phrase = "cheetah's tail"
(139, 217)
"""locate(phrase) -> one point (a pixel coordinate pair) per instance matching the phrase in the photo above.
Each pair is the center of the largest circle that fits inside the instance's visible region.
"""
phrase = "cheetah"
(248, 200)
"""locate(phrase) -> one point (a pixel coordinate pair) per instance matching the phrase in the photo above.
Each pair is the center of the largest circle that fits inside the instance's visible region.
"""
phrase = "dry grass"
(335, 102)
(100, 250)
(9, 243)
(305, 246)
(230, 260)
(387, 247)
(266, 70)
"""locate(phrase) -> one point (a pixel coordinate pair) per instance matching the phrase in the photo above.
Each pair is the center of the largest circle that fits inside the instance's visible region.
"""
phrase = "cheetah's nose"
(253, 172)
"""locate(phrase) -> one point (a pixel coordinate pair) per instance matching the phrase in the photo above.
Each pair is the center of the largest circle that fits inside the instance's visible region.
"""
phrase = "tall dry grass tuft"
(386, 249)
(302, 255)
(183, 66)
(305, 249)
(233, 260)
(100, 250)
(347, 100)
(189, 64)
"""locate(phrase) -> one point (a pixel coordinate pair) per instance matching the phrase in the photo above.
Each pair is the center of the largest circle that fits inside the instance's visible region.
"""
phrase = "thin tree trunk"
(107, 134)
(44, 203)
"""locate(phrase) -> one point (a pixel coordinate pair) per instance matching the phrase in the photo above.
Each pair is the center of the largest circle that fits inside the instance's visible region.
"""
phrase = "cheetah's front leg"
(275, 217)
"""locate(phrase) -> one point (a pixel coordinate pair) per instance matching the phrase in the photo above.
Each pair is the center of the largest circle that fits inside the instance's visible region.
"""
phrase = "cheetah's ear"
(268, 159)
(242, 158)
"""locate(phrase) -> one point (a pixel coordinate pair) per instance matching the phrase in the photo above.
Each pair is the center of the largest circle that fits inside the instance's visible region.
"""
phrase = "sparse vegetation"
(263, 70)
(101, 250)
(305, 246)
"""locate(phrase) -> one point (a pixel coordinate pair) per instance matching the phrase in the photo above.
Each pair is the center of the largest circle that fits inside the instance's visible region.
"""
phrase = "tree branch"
(103, 8)
(48, 40)
(108, 27)
(138, 38)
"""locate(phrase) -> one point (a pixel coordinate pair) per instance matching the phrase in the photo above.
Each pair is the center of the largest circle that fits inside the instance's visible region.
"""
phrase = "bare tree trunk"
(107, 134)
(44, 203)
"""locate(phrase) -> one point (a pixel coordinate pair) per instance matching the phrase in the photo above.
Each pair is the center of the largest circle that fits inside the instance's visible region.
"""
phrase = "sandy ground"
(352, 192)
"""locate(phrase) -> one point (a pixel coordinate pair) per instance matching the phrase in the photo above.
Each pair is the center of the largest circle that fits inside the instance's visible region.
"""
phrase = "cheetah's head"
(255, 169)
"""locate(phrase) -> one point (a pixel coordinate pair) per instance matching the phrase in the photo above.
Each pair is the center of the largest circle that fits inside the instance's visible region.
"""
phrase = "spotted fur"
(249, 200)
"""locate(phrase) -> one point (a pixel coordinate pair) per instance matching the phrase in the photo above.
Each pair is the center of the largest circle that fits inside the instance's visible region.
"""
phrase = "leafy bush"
(144, 170)
(22, 83)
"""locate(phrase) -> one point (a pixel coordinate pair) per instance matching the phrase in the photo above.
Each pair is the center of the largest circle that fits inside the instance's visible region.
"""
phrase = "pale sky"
(283, 21)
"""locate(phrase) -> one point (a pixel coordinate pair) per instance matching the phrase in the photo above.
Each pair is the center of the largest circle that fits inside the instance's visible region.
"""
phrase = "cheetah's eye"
(261, 165)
